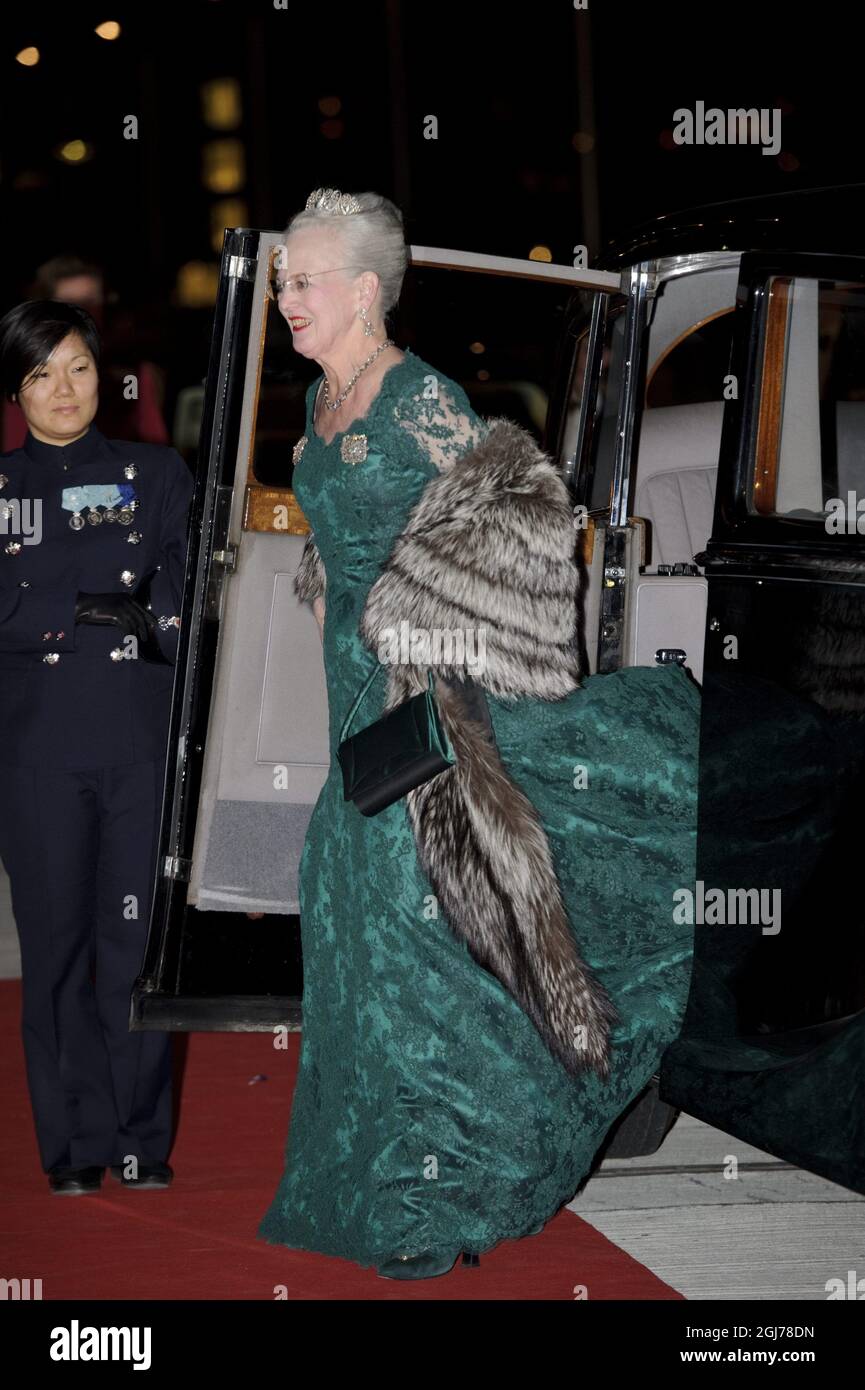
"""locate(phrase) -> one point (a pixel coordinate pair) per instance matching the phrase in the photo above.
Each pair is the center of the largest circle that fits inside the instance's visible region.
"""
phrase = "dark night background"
(554, 129)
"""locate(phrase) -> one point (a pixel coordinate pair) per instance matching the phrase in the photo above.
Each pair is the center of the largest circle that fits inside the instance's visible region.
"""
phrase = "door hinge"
(226, 559)
(176, 868)
(241, 267)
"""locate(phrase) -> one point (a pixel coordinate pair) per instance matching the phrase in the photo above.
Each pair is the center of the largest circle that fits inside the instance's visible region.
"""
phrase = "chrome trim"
(671, 267)
(575, 467)
(638, 292)
(668, 656)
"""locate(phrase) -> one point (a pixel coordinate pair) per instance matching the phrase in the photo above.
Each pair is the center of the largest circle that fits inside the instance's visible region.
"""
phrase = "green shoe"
(424, 1266)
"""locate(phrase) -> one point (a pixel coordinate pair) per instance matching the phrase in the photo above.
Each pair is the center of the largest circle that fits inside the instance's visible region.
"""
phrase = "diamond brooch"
(353, 448)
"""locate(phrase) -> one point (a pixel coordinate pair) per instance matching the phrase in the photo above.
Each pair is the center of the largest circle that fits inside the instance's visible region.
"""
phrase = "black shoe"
(425, 1265)
(150, 1175)
(74, 1182)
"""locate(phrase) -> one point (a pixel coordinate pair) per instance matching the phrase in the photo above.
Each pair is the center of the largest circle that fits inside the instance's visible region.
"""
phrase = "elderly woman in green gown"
(492, 968)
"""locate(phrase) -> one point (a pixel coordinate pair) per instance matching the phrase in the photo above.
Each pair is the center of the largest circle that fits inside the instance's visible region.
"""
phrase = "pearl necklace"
(334, 405)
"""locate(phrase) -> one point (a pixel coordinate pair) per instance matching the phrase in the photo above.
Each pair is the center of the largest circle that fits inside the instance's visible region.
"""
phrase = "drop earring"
(368, 327)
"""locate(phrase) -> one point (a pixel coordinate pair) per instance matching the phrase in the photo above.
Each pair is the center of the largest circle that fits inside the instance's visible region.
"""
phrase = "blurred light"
(28, 57)
(221, 104)
(330, 106)
(787, 162)
(477, 347)
(228, 212)
(74, 152)
(28, 179)
(108, 29)
(223, 166)
(666, 141)
(540, 253)
(582, 142)
(332, 130)
(483, 374)
(196, 285)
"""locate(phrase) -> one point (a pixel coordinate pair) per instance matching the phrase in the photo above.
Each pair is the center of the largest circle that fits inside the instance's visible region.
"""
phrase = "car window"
(593, 474)
(692, 370)
(807, 439)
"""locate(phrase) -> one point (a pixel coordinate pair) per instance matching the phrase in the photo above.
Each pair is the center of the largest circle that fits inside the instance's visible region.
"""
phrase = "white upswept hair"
(372, 239)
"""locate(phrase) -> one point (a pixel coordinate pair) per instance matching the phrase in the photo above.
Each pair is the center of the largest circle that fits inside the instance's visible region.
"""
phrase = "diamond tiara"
(330, 200)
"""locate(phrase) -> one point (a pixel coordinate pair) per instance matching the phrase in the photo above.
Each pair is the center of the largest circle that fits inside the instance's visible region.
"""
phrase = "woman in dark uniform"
(93, 537)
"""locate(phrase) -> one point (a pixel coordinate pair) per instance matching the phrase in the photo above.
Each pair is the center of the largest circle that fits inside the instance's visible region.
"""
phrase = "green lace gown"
(428, 1113)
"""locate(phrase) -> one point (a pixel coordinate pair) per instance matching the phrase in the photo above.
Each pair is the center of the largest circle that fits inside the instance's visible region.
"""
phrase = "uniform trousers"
(80, 851)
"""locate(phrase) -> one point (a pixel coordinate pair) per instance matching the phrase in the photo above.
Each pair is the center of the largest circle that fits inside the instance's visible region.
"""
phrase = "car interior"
(674, 472)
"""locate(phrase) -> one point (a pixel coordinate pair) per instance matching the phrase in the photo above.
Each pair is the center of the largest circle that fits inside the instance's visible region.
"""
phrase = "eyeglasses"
(299, 283)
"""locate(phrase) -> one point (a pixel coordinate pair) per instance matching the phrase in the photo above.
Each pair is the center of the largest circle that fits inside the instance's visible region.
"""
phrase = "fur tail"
(486, 854)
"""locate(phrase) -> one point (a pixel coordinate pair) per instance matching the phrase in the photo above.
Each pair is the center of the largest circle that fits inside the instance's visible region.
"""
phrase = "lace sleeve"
(441, 423)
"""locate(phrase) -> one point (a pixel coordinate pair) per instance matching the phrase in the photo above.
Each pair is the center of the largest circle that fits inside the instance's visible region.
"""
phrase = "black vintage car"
(705, 401)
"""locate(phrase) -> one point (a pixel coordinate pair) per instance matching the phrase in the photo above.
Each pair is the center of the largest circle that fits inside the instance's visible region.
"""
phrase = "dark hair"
(30, 332)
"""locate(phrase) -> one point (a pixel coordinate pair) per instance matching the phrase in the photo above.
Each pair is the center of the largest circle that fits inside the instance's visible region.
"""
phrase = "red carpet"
(197, 1239)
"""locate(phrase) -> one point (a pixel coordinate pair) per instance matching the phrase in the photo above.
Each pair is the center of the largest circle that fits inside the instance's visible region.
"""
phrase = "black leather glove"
(126, 613)
(118, 610)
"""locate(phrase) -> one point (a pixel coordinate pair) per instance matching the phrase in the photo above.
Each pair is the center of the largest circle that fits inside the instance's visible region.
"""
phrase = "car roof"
(828, 220)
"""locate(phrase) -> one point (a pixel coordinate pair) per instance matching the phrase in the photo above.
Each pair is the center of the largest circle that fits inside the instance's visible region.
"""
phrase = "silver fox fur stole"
(490, 545)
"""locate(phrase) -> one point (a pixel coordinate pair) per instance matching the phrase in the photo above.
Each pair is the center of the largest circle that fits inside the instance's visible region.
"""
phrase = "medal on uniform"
(127, 498)
(72, 500)
(95, 495)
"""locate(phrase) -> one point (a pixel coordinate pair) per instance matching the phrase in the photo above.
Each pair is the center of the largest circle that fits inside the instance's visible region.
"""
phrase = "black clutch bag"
(391, 757)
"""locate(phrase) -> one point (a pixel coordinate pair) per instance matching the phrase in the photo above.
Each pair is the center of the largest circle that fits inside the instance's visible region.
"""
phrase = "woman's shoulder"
(159, 467)
(153, 459)
(415, 382)
(432, 408)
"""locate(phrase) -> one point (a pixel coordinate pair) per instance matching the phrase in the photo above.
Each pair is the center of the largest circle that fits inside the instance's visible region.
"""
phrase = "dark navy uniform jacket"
(66, 702)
